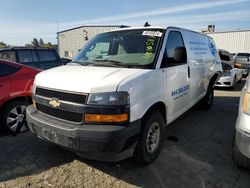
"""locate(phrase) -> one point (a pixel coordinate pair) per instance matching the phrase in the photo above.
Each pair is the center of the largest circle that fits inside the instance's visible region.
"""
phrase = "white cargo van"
(115, 98)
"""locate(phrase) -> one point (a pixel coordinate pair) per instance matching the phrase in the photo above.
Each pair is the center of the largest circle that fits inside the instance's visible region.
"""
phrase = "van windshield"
(127, 48)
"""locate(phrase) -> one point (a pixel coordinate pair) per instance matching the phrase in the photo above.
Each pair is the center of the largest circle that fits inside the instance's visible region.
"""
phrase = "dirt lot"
(196, 153)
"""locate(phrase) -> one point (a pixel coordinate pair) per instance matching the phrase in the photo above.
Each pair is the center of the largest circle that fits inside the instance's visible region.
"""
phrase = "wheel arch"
(214, 79)
(158, 106)
(19, 98)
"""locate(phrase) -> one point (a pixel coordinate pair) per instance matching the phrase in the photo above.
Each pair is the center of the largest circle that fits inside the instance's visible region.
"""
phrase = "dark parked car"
(39, 58)
(16, 82)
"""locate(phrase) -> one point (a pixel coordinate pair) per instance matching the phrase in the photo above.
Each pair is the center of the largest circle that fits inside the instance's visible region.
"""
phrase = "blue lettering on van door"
(212, 48)
(180, 92)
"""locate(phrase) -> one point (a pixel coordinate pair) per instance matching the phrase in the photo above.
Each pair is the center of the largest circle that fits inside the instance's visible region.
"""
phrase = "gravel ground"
(197, 152)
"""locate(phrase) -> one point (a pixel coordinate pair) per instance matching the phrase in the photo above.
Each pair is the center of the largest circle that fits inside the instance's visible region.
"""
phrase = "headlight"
(246, 103)
(109, 98)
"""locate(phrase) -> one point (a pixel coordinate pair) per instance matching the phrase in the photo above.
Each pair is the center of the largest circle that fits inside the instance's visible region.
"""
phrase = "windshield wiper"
(83, 63)
(112, 63)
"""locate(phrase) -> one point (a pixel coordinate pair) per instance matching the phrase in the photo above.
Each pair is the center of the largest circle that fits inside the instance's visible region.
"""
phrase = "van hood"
(85, 79)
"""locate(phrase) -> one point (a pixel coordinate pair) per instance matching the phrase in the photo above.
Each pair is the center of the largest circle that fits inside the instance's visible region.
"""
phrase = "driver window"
(174, 40)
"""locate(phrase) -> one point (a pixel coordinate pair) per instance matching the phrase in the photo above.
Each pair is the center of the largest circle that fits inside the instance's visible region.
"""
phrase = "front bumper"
(225, 81)
(243, 134)
(98, 142)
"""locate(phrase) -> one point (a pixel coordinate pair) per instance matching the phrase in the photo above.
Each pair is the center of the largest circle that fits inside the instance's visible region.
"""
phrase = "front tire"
(14, 118)
(151, 137)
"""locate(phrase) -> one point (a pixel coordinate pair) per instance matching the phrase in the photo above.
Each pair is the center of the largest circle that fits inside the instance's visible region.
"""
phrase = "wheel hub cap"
(15, 119)
(153, 137)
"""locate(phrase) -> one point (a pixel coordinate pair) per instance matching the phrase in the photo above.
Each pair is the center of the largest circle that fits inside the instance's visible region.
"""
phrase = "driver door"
(177, 77)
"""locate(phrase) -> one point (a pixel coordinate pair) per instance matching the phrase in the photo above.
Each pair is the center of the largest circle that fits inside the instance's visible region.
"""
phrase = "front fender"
(145, 89)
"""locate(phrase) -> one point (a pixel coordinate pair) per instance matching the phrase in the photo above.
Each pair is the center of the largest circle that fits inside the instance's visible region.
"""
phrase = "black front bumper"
(98, 142)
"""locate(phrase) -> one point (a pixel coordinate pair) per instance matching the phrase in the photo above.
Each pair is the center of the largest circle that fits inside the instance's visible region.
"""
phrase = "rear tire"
(207, 101)
(14, 117)
(239, 159)
(151, 137)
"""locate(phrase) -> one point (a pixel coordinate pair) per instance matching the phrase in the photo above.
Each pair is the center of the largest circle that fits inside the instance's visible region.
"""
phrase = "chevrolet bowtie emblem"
(54, 103)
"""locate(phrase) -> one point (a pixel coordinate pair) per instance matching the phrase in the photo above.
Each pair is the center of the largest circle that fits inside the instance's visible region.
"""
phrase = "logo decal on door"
(180, 92)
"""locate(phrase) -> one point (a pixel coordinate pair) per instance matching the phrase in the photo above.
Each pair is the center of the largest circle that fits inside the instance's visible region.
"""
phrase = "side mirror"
(180, 54)
(64, 60)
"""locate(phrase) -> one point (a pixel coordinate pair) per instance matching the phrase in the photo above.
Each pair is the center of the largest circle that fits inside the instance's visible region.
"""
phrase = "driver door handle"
(188, 72)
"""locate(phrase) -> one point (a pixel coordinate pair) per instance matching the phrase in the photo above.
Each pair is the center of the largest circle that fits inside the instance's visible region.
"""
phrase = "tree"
(28, 45)
(41, 43)
(35, 43)
(3, 45)
(48, 45)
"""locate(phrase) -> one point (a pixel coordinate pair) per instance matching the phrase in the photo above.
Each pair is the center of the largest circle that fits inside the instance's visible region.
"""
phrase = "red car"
(16, 82)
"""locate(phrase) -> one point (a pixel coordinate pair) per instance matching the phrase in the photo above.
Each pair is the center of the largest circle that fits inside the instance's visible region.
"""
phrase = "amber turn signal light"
(97, 118)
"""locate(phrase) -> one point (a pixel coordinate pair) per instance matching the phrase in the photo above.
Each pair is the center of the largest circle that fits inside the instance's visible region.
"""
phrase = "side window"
(174, 41)
(46, 55)
(7, 69)
(8, 55)
(27, 56)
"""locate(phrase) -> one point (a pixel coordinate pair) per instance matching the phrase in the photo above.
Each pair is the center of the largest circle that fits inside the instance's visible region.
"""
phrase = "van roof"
(132, 28)
(158, 27)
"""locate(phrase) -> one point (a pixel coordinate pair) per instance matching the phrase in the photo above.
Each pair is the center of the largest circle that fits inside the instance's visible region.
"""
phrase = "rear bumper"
(98, 142)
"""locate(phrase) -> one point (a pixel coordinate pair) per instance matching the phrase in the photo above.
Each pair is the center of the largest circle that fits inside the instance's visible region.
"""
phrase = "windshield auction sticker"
(152, 33)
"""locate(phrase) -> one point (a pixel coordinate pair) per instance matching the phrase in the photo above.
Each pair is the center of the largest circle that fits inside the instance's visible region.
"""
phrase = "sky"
(23, 20)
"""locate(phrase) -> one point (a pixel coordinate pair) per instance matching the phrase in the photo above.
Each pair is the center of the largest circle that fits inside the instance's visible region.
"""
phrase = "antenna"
(146, 24)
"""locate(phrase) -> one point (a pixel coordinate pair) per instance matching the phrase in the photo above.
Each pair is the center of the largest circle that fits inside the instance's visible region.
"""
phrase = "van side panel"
(203, 60)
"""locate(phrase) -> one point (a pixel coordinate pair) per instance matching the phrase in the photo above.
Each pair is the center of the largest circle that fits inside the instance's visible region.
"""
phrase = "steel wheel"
(153, 137)
(149, 143)
(15, 120)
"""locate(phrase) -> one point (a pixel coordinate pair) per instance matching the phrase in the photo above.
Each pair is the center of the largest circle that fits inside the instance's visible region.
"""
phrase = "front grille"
(61, 114)
(70, 97)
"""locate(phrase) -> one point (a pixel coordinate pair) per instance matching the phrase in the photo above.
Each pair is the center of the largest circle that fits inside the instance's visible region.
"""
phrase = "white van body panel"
(203, 62)
(145, 89)
(84, 79)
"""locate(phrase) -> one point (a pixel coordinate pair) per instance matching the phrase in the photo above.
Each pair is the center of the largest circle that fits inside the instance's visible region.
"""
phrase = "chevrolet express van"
(115, 98)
